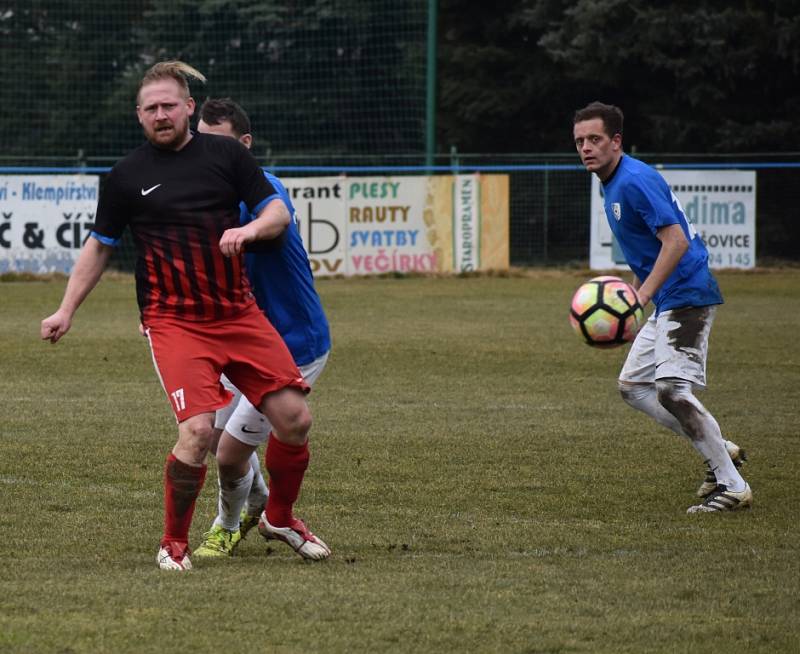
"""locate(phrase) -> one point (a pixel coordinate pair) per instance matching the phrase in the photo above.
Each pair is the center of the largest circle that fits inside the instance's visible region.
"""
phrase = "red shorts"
(189, 358)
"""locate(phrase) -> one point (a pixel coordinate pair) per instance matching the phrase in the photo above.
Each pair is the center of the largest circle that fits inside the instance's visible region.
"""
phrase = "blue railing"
(459, 168)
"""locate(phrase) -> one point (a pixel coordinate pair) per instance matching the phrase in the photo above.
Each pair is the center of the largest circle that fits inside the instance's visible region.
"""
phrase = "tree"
(322, 76)
(704, 75)
(347, 77)
(316, 77)
(59, 62)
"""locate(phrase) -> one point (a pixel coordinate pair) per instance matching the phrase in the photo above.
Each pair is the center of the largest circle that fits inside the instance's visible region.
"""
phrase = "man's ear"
(246, 140)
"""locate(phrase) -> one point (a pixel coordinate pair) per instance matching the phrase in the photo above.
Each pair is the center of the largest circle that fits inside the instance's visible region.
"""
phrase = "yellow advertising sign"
(375, 225)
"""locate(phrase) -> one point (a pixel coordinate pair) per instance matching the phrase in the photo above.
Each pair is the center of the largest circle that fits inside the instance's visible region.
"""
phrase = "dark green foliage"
(318, 77)
(704, 76)
(58, 63)
(346, 77)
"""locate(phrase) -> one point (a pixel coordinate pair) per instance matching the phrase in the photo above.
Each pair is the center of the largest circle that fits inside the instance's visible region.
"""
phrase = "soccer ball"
(605, 312)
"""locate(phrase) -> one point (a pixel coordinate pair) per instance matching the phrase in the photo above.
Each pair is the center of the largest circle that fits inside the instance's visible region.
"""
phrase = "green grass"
(479, 480)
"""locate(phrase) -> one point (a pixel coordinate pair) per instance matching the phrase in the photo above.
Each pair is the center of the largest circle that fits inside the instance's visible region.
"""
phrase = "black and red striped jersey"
(177, 205)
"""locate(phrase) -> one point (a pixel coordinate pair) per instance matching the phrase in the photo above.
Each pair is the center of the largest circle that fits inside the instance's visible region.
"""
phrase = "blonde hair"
(177, 70)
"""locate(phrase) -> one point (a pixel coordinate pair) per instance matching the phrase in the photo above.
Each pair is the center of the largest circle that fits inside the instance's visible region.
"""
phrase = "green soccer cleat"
(218, 542)
(247, 521)
(709, 485)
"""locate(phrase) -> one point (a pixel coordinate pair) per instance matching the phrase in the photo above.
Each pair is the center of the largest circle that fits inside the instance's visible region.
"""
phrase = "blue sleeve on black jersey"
(112, 214)
(105, 240)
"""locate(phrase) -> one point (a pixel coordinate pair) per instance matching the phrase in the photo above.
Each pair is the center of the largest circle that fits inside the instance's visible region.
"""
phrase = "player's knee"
(292, 426)
(300, 421)
(233, 456)
(295, 427)
(632, 392)
(202, 432)
(675, 396)
(289, 415)
(195, 438)
(231, 471)
(627, 392)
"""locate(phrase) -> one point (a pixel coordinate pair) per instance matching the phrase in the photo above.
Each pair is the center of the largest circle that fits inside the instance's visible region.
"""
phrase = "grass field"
(483, 487)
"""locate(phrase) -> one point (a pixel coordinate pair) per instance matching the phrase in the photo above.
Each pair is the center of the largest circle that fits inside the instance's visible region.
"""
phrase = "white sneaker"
(709, 485)
(174, 556)
(298, 537)
(723, 500)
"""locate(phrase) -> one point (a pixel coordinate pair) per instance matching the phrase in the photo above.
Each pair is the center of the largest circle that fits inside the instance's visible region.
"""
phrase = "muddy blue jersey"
(283, 284)
(638, 202)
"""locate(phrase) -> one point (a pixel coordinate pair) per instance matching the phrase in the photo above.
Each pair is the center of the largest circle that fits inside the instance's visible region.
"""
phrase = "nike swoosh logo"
(150, 190)
(249, 431)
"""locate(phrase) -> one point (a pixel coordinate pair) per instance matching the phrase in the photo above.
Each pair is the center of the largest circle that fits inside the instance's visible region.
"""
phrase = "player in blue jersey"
(283, 284)
(668, 358)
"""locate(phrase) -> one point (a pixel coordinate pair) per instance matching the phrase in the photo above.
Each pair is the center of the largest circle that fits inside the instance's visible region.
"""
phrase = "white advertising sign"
(721, 204)
(320, 206)
(364, 225)
(466, 223)
(44, 221)
(349, 226)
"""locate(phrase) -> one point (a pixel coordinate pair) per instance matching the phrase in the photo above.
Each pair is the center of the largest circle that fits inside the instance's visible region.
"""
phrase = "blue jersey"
(284, 287)
(638, 202)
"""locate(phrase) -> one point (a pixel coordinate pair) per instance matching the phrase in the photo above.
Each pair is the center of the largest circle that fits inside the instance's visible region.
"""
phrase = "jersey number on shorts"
(178, 400)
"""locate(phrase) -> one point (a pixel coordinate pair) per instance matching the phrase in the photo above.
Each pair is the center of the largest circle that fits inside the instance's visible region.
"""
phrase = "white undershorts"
(674, 344)
(246, 423)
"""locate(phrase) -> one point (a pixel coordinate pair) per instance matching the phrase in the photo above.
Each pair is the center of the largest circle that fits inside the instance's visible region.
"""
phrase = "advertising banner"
(466, 223)
(721, 204)
(349, 225)
(376, 225)
(44, 221)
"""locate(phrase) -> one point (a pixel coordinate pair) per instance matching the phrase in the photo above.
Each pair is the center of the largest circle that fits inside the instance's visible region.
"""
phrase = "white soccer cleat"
(174, 556)
(298, 537)
(723, 500)
(709, 485)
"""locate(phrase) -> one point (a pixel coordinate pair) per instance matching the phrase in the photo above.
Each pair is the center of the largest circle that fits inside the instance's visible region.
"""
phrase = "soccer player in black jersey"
(179, 194)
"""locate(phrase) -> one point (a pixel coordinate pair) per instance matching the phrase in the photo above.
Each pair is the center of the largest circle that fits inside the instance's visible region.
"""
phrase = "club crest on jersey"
(617, 210)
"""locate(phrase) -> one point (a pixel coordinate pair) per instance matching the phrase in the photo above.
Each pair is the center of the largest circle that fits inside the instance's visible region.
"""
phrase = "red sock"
(286, 465)
(182, 484)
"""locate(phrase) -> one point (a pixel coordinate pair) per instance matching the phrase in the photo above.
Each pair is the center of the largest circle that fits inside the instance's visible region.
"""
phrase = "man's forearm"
(87, 272)
(673, 247)
(270, 222)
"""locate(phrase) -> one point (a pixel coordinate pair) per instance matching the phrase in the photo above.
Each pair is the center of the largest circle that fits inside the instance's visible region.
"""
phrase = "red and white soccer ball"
(605, 312)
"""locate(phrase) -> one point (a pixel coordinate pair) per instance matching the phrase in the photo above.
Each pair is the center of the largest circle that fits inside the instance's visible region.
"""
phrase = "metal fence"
(549, 196)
